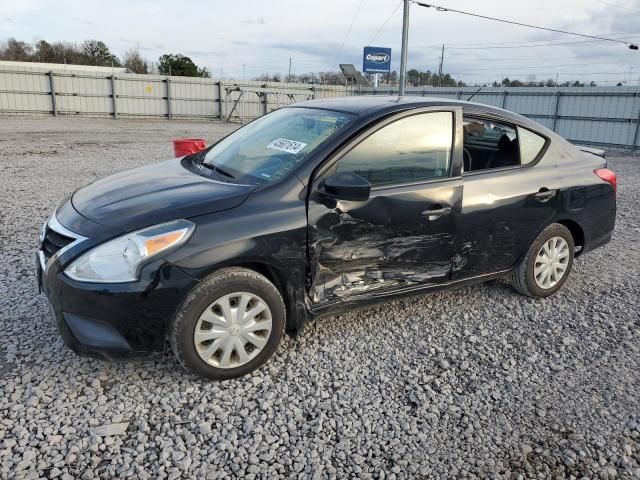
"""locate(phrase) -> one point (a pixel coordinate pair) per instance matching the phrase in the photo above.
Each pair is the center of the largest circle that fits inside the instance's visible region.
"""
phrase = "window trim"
(456, 114)
(515, 126)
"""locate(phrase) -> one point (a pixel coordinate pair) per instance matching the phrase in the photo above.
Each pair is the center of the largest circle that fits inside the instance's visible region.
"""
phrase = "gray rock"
(204, 428)
(544, 388)
(110, 429)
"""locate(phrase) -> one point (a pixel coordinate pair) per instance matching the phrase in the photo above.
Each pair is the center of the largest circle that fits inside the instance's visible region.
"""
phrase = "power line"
(625, 36)
(385, 22)
(444, 9)
(527, 44)
(577, 74)
(618, 6)
(353, 20)
(534, 45)
(528, 60)
(513, 68)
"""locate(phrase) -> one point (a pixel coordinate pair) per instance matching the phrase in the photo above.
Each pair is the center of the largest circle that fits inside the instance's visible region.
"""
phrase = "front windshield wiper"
(217, 168)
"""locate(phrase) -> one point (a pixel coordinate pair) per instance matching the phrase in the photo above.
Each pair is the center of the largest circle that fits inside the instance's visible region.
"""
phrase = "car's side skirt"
(366, 299)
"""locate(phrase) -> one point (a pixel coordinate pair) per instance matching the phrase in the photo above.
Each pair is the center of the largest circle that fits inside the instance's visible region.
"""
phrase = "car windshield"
(269, 147)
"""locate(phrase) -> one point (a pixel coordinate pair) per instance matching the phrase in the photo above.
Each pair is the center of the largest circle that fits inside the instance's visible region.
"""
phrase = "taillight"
(608, 176)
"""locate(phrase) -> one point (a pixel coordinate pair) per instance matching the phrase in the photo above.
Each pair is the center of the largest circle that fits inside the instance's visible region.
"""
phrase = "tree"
(413, 77)
(45, 52)
(98, 54)
(180, 65)
(134, 61)
(390, 78)
(16, 51)
(204, 72)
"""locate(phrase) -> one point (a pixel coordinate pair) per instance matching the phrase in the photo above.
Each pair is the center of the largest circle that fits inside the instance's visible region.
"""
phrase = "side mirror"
(347, 186)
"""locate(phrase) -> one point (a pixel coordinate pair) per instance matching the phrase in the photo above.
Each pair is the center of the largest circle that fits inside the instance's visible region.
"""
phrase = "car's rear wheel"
(547, 263)
(229, 325)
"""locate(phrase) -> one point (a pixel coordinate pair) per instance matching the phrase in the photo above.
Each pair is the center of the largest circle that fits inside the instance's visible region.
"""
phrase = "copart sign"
(376, 60)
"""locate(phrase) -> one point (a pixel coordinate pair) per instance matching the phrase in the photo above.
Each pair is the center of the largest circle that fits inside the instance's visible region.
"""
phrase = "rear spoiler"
(594, 151)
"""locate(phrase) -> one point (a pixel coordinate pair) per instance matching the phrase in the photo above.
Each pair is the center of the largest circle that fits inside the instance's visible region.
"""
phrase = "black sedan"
(314, 208)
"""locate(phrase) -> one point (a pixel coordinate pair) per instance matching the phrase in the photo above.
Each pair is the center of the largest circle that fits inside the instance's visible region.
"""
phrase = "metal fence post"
(265, 103)
(220, 100)
(52, 85)
(504, 98)
(169, 113)
(114, 97)
(635, 135)
(556, 109)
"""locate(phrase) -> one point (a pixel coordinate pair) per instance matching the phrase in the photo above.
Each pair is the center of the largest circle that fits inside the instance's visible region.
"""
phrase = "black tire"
(219, 284)
(523, 279)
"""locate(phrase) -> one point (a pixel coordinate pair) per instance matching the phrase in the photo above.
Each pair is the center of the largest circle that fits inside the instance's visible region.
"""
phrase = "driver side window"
(411, 149)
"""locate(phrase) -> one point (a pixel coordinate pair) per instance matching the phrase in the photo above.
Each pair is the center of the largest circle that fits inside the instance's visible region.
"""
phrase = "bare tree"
(134, 61)
(16, 51)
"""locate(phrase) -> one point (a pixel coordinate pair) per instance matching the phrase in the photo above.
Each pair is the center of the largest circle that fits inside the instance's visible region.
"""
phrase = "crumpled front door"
(388, 242)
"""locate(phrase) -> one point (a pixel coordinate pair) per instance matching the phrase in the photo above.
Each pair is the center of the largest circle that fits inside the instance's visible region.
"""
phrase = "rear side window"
(410, 149)
(530, 145)
(489, 144)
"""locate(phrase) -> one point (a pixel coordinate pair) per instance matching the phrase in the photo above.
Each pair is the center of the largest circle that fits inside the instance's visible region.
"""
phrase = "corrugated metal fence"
(68, 92)
(607, 116)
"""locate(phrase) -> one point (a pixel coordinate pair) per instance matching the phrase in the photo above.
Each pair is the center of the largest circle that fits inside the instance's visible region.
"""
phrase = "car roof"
(373, 104)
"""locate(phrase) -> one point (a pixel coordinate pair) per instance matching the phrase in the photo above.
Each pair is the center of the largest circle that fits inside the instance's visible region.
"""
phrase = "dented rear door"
(404, 235)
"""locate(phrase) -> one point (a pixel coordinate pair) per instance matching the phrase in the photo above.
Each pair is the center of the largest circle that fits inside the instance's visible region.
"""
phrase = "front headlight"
(119, 260)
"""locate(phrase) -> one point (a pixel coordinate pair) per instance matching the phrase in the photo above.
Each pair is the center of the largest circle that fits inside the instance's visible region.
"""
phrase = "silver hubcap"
(551, 262)
(233, 330)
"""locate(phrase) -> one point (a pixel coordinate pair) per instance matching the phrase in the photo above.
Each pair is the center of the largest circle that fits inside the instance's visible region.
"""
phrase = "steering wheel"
(466, 160)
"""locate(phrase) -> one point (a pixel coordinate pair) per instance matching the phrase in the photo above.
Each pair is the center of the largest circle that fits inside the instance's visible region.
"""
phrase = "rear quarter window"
(531, 144)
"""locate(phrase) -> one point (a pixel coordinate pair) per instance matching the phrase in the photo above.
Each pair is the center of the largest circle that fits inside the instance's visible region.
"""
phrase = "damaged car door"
(382, 212)
(509, 194)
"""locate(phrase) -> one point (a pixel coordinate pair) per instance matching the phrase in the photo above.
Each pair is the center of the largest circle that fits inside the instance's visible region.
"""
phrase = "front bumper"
(118, 320)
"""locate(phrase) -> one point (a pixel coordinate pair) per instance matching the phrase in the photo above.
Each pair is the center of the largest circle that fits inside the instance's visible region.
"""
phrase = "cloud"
(326, 50)
(255, 21)
(246, 33)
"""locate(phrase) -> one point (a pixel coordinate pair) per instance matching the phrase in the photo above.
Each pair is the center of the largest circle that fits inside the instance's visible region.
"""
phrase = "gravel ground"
(477, 382)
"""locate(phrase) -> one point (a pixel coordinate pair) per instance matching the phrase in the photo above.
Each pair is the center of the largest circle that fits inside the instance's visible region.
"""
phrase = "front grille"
(53, 241)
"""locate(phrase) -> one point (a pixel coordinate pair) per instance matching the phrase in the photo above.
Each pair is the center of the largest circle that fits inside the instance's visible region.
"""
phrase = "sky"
(316, 35)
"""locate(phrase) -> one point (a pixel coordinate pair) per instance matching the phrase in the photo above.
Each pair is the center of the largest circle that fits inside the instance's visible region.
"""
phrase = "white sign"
(284, 145)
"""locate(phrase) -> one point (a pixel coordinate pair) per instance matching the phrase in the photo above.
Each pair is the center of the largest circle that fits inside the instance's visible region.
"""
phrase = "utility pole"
(244, 73)
(405, 41)
(440, 68)
(289, 76)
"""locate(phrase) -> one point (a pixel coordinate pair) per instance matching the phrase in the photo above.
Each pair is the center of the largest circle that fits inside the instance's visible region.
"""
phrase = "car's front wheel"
(229, 325)
(547, 263)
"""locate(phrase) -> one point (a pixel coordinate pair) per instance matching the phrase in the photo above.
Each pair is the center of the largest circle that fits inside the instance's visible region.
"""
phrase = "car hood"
(154, 194)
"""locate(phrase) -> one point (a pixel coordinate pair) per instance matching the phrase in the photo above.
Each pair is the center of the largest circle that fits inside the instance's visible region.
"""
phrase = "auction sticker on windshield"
(284, 145)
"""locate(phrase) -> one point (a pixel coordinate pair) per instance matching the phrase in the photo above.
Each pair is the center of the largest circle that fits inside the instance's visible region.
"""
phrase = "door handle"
(545, 194)
(436, 212)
